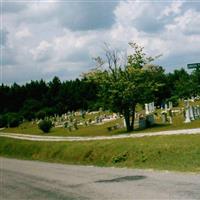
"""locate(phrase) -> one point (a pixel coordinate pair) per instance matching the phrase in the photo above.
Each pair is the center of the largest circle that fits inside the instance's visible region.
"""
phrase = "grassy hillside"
(180, 152)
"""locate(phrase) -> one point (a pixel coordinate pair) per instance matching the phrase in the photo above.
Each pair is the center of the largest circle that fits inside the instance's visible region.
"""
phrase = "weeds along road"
(85, 138)
(40, 180)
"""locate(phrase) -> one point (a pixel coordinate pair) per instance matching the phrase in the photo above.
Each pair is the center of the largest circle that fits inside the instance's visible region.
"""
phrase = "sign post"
(193, 66)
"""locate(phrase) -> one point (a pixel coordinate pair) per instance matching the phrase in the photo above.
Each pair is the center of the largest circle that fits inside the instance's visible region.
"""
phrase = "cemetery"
(151, 118)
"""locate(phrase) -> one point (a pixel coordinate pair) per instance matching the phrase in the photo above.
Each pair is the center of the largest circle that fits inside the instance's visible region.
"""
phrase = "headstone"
(142, 123)
(170, 105)
(75, 124)
(164, 117)
(150, 107)
(191, 112)
(187, 116)
(124, 123)
(195, 112)
(153, 106)
(146, 108)
(186, 102)
(166, 107)
(97, 119)
(170, 116)
(198, 110)
(150, 119)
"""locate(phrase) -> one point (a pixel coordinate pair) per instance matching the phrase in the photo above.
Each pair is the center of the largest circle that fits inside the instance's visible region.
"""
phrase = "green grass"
(100, 130)
(180, 152)
(92, 130)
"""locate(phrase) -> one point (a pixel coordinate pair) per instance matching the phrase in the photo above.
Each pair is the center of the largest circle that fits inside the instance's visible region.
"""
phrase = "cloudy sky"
(43, 39)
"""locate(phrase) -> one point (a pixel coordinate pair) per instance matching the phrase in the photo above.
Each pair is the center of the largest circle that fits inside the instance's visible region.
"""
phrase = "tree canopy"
(122, 87)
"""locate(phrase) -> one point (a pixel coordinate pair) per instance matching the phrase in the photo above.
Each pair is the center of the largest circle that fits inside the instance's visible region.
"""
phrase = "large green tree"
(123, 85)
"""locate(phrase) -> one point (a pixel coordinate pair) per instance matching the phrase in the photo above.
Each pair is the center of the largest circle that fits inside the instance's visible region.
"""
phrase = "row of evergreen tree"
(56, 97)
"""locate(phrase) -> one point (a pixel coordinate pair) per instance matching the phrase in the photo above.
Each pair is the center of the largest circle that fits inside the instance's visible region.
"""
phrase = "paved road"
(39, 180)
(66, 138)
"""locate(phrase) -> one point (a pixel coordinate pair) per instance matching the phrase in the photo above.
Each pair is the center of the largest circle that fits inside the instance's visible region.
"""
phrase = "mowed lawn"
(177, 152)
(100, 130)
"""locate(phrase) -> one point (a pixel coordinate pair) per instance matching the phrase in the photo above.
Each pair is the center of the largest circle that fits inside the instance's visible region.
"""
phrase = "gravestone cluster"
(148, 118)
(191, 112)
(73, 120)
(167, 113)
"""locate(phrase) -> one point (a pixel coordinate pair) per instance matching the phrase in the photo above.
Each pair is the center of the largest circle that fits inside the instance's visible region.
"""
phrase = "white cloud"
(43, 40)
(173, 8)
(127, 11)
(23, 33)
(188, 23)
(42, 52)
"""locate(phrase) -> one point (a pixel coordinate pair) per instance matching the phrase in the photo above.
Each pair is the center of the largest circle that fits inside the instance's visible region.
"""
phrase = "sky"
(41, 39)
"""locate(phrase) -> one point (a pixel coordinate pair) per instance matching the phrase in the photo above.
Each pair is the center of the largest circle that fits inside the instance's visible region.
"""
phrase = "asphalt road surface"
(40, 180)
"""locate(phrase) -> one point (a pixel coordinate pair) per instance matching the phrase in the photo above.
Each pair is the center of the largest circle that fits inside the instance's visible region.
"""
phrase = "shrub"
(3, 121)
(12, 119)
(40, 114)
(29, 115)
(120, 158)
(45, 125)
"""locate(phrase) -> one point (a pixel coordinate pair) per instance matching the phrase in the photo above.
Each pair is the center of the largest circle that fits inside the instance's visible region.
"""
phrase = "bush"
(40, 114)
(3, 121)
(29, 115)
(11, 120)
(45, 125)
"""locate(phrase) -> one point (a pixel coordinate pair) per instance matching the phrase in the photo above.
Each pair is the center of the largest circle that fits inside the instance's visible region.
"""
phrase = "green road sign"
(193, 65)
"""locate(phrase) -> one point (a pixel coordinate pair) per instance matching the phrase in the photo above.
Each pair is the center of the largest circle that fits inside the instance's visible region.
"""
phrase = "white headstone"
(191, 111)
(186, 102)
(198, 110)
(150, 107)
(153, 106)
(187, 116)
(146, 108)
(124, 123)
(164, 116)
(170, 105)
(170, 120)
(195, 112)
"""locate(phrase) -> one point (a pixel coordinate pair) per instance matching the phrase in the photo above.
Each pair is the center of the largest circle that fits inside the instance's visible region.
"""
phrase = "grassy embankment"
(180, 152)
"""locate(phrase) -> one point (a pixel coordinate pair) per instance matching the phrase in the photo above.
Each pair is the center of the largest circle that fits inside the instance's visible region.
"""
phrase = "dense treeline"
(56, 97)
(179, 85)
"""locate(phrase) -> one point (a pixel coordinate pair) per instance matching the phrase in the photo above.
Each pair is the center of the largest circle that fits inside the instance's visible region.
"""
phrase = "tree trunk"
(127, 120)
(133, 117)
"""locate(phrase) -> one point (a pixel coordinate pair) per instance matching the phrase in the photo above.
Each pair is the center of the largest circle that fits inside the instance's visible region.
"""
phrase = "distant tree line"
(39, 98)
